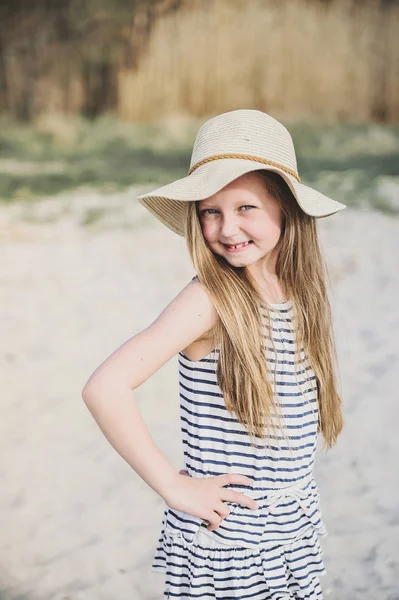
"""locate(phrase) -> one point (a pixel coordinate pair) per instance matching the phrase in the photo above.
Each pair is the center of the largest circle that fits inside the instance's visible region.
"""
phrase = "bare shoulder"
(185, 320)
(195, 302)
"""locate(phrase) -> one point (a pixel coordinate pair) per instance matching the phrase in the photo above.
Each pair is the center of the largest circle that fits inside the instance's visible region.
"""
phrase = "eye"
(205, 211)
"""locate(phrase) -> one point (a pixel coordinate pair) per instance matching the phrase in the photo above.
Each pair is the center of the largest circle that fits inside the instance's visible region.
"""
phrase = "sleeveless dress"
(274, 552)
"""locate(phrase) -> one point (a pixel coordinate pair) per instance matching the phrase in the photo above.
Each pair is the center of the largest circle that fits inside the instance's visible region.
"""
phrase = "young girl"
(256, 354)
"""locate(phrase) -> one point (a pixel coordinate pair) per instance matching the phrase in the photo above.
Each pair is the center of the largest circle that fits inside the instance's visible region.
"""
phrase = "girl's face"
(242, 212)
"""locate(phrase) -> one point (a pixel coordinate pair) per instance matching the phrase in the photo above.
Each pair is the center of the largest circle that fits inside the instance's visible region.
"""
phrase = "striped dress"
(274, 552)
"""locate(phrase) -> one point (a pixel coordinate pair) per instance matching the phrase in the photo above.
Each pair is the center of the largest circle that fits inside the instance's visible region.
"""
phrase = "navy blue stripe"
(243, 443)
(308, 390)
(236, 464)
(199, 392)
(181, 528)
(249, 455)
(214, 383)
(278, 350)
(193, 402)
(281, 340)
(241, 522)
(285, 481)
(210, 416)
(280, 310)
(243, 433)
(283, 362)
(219, 395)
(193, 367)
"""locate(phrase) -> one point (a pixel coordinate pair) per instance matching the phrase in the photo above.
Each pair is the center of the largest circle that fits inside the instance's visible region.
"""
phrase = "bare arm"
(108, 393)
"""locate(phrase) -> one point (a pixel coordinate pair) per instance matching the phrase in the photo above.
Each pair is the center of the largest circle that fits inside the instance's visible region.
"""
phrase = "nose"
(229, 227)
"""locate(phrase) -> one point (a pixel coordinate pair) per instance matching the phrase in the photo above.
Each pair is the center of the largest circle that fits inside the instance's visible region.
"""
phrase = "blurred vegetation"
(45, 160)
(66, 55)
(146, 59)
(354, 163)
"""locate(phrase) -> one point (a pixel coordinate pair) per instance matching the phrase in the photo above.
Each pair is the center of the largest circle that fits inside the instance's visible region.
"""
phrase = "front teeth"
(239, 245)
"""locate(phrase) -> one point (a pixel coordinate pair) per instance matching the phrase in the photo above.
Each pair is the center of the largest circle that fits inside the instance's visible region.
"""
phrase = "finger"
(214, 522)
(234, 479)
(223, 510)
(237, 498)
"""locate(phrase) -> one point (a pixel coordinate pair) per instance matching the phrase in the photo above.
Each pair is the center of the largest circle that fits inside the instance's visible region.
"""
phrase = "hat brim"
(167, 202)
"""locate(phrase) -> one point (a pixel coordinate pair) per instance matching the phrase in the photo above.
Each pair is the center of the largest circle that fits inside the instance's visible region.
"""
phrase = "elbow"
(88, 393)
(100, 389)
(97, 390)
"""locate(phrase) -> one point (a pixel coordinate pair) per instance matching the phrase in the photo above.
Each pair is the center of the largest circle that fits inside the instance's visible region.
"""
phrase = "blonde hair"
(242, 371)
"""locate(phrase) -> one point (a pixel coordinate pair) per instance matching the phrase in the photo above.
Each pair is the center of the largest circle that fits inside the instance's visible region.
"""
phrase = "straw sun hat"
(226, 147)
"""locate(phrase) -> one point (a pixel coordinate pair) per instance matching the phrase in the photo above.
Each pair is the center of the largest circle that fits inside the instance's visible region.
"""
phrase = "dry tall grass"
(323, 59)
(293, 58)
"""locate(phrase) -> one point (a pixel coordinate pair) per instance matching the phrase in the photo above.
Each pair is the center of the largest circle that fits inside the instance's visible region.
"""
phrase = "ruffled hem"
(278, 572)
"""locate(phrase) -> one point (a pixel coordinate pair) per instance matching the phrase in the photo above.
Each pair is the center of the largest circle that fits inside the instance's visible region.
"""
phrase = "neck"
(269, 286)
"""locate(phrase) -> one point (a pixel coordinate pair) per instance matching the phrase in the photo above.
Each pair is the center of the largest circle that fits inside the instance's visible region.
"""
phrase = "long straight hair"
(242, 372)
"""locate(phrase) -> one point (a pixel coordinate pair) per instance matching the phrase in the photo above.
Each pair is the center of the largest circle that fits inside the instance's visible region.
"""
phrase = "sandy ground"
(82, 273)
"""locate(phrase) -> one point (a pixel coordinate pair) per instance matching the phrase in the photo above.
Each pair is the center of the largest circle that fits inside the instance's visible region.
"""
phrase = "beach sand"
(82, 273)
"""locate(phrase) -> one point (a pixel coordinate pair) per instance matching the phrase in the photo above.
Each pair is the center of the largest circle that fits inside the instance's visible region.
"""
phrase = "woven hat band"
(245, 157)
